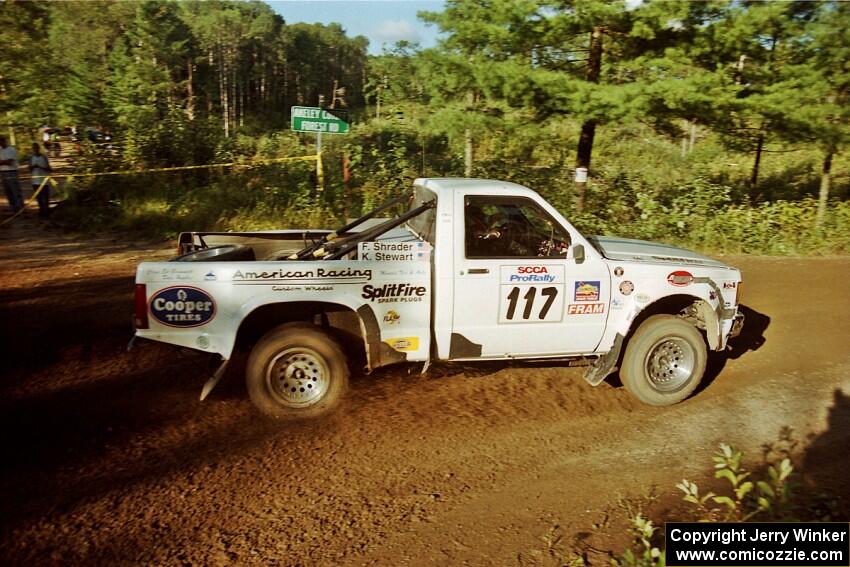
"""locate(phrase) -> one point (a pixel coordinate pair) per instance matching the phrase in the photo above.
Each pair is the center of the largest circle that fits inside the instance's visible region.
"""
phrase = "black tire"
(664, 361)
(296, 371)
(225, 252)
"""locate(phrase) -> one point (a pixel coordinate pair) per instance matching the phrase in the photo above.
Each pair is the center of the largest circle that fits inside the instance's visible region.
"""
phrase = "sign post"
(320, 121)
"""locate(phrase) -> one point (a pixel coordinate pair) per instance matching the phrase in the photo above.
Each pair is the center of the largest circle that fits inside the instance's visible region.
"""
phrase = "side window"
(511, 227)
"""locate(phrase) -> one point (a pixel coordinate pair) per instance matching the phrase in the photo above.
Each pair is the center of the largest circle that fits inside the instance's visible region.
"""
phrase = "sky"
(384, 22)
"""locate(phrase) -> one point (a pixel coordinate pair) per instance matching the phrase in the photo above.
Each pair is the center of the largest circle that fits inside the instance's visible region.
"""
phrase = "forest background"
(719, 125)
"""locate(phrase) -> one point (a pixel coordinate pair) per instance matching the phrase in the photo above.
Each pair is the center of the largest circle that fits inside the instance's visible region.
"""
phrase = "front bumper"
(737, 325)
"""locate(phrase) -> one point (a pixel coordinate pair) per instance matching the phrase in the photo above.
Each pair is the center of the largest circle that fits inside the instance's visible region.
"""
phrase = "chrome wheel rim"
(670, 364)
(298, 377)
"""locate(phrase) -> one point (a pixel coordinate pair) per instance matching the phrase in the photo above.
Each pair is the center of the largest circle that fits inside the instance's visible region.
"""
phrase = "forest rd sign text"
(314, 119)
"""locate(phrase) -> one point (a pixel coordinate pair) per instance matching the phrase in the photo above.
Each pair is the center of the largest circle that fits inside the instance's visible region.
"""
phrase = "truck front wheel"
(664, 360)
(296, 371)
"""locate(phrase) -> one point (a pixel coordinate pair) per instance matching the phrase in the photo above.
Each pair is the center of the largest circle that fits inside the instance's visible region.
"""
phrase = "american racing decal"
(680, 278)
(394, 251)
(296, 276)
(627, 287)
(586, 308)
(394, 293)
(531, 293)
(182, 306)
(587, 291)
(404, 344)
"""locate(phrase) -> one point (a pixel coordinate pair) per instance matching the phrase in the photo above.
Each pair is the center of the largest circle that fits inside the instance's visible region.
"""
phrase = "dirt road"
(110, 458)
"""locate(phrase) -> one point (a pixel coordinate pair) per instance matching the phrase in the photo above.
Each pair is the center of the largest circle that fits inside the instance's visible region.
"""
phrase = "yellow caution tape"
(318, 158)
(31, 199)
(188, 167)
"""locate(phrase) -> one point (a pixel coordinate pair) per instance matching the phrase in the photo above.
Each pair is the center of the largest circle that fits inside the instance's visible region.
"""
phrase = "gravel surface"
(111, 459)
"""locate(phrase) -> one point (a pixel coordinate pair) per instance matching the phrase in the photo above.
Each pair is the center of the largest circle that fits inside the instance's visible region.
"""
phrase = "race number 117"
(530, 304)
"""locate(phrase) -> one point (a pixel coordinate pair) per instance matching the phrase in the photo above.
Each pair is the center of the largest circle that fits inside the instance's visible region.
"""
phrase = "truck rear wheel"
(296, 371)
(664, 360)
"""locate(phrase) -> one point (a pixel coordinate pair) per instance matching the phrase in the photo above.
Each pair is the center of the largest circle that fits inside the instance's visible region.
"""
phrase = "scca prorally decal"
(182, 306)
(532, 274)
(680, 278)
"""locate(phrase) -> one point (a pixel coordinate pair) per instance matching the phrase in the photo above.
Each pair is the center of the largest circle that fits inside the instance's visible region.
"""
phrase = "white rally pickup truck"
(473, 270)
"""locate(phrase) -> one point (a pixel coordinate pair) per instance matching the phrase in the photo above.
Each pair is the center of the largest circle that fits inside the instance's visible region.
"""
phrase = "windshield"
(423, 224)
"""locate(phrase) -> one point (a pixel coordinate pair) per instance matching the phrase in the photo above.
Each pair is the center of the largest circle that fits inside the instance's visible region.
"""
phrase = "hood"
(629, 250)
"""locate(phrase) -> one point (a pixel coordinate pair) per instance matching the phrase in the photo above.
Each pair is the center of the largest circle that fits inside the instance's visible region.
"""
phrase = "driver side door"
(517, 290)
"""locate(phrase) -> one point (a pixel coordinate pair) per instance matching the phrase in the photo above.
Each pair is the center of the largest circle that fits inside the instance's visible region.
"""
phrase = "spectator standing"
(55, 147)
(45, 137)
(9, 174)
(39, 169)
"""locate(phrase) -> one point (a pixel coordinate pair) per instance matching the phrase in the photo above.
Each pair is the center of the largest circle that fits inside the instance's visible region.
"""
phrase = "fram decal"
(587, 291)
(680, 278)
(404, 344)
(586, 309)
(182, 306)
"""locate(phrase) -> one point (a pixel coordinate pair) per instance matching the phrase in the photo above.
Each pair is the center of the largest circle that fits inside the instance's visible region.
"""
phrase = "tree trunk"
(190, 93)
(468, 153)
(825, 185)
(754, 177)
(222, 90)
(693, 140)
(588, 129)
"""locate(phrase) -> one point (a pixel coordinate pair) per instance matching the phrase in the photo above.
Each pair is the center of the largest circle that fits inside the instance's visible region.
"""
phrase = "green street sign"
(324, 120)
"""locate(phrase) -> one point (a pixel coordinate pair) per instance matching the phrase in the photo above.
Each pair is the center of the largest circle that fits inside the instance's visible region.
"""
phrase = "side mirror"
(578, 253)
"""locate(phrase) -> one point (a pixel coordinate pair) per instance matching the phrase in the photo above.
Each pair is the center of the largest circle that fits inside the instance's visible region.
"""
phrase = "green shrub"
(743, 496)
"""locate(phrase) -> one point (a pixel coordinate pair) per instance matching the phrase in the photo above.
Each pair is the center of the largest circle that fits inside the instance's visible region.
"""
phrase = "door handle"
(478, 271)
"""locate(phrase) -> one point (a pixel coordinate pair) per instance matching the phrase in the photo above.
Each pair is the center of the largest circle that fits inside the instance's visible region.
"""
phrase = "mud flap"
(604, 365)
(214, 379)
